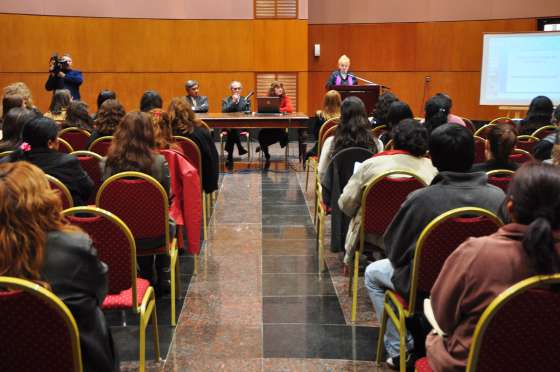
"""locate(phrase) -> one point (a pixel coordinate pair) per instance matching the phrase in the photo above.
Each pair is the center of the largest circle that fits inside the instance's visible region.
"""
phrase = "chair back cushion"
(442, 239)
(141, 206)
(113, 248)
(33, 334)
(500, 181)
(101, 147)
(520, 158)
(479, 150)
(192, 153)
(77, 138)
(90, 165)
(384, 200)
(523, 334)
(63, 193)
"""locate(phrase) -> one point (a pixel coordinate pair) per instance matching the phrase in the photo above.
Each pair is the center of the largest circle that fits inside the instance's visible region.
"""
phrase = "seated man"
(235, 103)
(198, 103)
(452, 151)
(410, 147)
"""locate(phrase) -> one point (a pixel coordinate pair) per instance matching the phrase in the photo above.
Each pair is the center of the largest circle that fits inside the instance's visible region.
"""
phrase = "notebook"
(268, 105)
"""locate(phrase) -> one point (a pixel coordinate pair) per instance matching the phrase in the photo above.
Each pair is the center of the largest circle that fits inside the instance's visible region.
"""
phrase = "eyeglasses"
(236, 88)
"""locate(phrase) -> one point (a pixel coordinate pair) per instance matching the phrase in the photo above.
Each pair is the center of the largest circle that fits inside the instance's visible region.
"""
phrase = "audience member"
(108, 118)
(269, 136)
(379, 115)
(538, 115)
(59, 104)
(40, 147)
(103, 96)
(198, 103)
(163, 134)
(500, 143)
(331, 110)
(351, 132)
(342, 76)
(65, 77)
(543, 148)
(134, 149)
(438, 112)
(234, 103)
(39, 245)
(452, 150)
(150, 100)
(410, 140)
(10, 102)
(398, 111)
(20, 88)
(482, 268)
(185, 123)
(12, 127)
(77, 116)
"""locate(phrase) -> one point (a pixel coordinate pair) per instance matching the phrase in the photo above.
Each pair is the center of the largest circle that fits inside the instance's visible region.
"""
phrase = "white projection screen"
(518, 67)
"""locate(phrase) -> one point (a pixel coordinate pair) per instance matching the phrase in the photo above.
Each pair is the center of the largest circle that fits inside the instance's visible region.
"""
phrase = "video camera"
(59, 63)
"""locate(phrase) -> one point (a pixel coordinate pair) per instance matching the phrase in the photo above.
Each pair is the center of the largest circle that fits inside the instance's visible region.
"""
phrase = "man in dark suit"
(198, 103)
(235, 103)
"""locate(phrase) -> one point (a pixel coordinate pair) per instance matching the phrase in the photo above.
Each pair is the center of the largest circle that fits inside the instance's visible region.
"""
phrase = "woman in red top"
(270, 136)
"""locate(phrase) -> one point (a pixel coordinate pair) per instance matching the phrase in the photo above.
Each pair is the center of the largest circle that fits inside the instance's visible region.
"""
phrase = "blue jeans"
(377, 279)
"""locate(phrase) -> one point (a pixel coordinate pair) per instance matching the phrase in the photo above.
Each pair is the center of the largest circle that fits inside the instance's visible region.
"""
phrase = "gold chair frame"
(100, 139)
(311, 161)
(63, 188)
(542, 129)
(63, 142)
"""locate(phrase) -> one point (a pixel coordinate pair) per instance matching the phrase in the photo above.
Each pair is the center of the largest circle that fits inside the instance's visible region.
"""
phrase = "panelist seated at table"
(342, 76)
(234, 103)
(269, 136)
(198, 103)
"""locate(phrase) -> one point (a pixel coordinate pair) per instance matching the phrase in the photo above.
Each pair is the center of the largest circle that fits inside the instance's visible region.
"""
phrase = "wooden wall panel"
(132, 55)
(401, 55)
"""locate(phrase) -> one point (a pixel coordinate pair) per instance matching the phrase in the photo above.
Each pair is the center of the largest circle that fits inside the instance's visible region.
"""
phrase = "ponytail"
(538, 243)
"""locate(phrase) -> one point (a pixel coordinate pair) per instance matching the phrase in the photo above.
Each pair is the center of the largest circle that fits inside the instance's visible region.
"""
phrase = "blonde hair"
(20, 88)
(33, 209)
(344, 59)
(331, 105)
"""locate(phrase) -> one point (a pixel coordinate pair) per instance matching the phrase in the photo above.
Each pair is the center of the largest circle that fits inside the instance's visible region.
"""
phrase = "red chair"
(37, 330)
(63, 192)
(76, 137)
(484, 130)
(328, 133)
(518, 331)
(101, 145)
(314, 160)
(381, 200)
(142, 203)
(64, 146)
(469, 124)
(479, 150)
(436, 242)
(526, 143)
(520, 156)
(502, 120)
(90, 164)
(192, 152)
(544, 131)
(116, 247)
(500, 178)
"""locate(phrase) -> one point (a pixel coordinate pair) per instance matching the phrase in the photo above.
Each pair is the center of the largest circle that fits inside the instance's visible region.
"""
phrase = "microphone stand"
(368, 82)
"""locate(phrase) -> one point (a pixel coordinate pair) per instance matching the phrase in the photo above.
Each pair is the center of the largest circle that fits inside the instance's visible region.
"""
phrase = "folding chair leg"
(307, 164)
(320, 236)
(381, 337)
(355, 286)
(204, 216)
(147, 313)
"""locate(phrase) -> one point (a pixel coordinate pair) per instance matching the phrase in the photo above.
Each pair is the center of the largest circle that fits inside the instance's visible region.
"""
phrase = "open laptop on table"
(268, 105)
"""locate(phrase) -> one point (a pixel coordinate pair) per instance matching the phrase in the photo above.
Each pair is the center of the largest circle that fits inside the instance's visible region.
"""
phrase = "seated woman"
(150, 100)
(499, 146)
(354, 131)
(398, 111)
(40, 147)
(379, 115)
(438, 112)
(134, 149)
(543, 148)
(342, 76)
(482, 268)
(59, 104)
(10, 102)
(38, 245)
(77, 116)
(331, 110)
(13, 124)
(108, 118)
(410, 140)
(538, 115)
(163, 134)
(268, 136)
(104, 95)
(185, 123)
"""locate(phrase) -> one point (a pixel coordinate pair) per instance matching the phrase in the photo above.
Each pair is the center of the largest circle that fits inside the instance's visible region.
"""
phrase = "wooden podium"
(369, 94)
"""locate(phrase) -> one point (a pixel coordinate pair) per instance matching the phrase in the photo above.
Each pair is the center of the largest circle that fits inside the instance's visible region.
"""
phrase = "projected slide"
(518, 67)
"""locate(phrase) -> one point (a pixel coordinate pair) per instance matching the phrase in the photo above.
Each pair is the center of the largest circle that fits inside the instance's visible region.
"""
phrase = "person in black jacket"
(198, 103)
(40, 147)
(39, 245)
(235, 103)
(185, 123)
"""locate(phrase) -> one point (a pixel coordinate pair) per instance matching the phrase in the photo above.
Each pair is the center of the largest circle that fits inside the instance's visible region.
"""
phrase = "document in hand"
(429, 313)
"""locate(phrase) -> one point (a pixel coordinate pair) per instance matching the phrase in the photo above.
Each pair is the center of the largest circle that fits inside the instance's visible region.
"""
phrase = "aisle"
(258, 303)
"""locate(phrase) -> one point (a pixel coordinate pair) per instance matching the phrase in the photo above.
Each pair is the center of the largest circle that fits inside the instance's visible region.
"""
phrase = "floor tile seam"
(310, 323)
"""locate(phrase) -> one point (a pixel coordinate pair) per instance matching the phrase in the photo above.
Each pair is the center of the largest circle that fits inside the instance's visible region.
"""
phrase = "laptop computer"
(268, 105)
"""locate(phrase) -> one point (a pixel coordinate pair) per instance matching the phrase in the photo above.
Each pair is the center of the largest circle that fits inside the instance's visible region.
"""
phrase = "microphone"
(249, 95)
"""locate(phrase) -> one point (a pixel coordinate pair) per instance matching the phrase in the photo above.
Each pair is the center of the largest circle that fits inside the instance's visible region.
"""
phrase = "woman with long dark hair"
(538, 115)
(77, 116)
(134, 149)
(13, 124)
(37, 244)
(39, 146)
(482, 268)
(59, 104)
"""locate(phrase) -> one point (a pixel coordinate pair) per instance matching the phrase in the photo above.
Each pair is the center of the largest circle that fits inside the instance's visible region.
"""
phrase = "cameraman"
(61, 76)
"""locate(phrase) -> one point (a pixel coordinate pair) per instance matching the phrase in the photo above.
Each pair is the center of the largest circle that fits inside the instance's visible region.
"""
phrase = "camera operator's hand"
(51, 66)
(61, 74)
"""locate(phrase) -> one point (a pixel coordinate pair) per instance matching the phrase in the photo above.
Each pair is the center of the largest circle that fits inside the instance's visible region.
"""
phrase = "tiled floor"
(258, 302)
